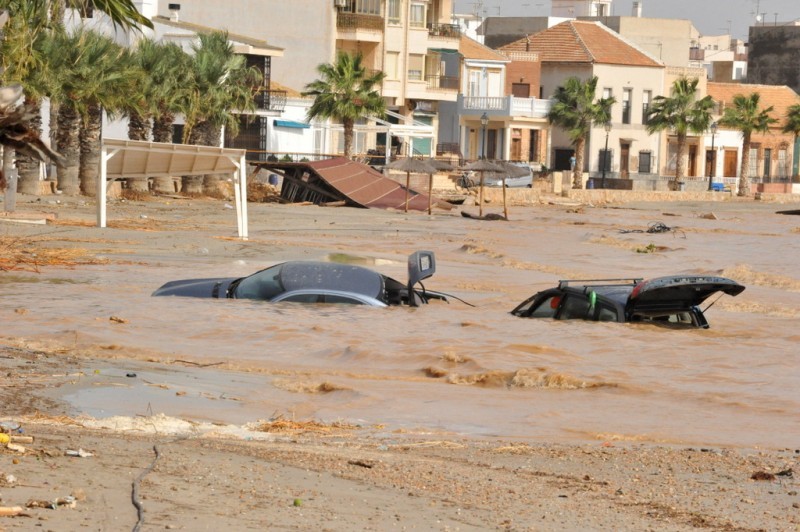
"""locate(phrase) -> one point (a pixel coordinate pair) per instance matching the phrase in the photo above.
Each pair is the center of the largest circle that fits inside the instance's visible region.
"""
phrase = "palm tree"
(746, 116)
(22, 60)
(220, 85)
(575, 110)
(95, 73)
(681, 113)
(792, 124)
(346, 92)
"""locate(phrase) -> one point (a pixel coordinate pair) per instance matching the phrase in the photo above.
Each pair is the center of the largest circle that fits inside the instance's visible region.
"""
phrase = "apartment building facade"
(403, 38)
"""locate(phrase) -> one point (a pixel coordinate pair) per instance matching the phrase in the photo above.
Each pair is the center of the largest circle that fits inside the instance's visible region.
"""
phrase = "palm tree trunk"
(162, 132)
(68, 145)
(138, 129)
(680, 168)
(90, 143)
(28, 167)
(202, 134)
(577, 173)
(744, 173)
(348, 137)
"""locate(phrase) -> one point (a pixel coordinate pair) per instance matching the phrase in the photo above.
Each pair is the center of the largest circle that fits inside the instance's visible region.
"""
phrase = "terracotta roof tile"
(577, 41)
(472, 49)
(780, 97)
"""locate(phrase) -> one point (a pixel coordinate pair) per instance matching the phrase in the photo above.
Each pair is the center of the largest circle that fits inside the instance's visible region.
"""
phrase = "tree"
(94, 73)
(792, 124)
(746, 116)
(682, 113)
(575, 110)
(346, 92)
(22, 61)
(219, 88)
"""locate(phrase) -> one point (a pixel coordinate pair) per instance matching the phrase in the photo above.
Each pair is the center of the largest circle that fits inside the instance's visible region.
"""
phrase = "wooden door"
(624, 157)
(730, 163)
(692, 172)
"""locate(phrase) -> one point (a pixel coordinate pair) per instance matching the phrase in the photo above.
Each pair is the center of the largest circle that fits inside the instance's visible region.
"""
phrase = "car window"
(575, 307)
(302, 298)
(263, 285)
(547, 308)
(606, 313)
(345, 300)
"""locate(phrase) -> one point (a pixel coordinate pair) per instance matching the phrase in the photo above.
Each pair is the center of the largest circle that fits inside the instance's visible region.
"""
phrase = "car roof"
(302, 275)
(617, 290)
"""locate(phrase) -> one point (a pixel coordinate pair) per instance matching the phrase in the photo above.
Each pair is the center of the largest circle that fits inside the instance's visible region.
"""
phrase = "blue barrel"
(273, 180)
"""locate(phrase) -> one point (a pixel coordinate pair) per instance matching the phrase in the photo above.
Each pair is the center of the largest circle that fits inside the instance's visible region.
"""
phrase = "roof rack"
(600, 282)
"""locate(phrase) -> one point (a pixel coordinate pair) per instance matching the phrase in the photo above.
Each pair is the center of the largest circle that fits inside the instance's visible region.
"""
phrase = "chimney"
(637, 9)
(175, 10)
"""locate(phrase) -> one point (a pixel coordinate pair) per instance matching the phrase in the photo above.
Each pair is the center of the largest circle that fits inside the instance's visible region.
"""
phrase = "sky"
(710, 17)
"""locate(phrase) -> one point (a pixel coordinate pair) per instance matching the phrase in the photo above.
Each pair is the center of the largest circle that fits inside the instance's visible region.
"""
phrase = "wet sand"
(473, 436)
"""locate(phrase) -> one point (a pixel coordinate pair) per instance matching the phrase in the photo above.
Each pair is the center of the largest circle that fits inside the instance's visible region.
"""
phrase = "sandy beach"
(129, 412)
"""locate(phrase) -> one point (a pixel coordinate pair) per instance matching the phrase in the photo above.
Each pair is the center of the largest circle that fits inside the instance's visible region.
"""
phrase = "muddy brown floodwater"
(445, 368)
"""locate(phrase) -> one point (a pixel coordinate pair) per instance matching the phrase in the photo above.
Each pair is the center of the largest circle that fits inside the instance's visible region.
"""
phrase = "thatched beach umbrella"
(441, 166)
(410, 165)
(509, 170)
(482, 165)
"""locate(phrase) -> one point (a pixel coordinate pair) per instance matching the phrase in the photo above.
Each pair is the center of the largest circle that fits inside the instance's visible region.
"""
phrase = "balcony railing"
(504, 106)
(357, 21)
(270, 100)
(445, 31)
(442, 82)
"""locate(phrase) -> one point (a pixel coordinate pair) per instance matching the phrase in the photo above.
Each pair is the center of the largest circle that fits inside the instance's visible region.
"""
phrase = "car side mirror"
(421, 265)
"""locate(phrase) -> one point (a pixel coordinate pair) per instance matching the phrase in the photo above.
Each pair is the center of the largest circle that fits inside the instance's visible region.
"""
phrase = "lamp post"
(484, 123)
(713, 165)
(607, 127)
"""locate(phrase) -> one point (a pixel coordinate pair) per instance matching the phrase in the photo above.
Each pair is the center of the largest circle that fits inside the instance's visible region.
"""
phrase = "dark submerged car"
(317, 282)
(673, 300)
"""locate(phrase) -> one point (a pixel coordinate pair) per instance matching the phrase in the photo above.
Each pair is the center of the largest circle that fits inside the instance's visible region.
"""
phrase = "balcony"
(509, 106)
(359, 27)
(270, 100)
(444, 31)
(447, 83)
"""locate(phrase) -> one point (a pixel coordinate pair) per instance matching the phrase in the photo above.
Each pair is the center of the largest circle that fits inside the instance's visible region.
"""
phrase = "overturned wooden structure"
(342, 180)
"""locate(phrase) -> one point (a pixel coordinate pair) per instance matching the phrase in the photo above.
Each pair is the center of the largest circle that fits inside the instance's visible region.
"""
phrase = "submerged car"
(672, 300)
(317, 282)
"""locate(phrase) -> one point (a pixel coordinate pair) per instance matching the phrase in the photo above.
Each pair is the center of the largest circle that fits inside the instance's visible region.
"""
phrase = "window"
(782, 170)
(417, 15)
(392, 61)
(416, 64)
(521, 90)
(368, 7)
(646, 97)
(626, 106)
(393, 8)
(645, 162)
(753, 162)
(607, 93)
(767, 162)
(574, 307)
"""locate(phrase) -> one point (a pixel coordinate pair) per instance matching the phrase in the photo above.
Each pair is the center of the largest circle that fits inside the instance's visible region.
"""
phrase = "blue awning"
(291, 123)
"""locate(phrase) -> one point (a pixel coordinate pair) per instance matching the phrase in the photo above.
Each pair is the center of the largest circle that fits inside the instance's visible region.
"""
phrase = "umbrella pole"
(430, 192)
(408, 180)
(480, 197)
(505, 205)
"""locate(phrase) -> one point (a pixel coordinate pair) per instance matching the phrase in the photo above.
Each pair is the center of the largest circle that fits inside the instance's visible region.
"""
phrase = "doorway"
(491, 144)
(711, 162)
(692, 170)
(730, 163)
(624, 157)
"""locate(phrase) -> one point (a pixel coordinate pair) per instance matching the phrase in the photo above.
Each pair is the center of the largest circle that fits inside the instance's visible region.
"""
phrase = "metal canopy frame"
(134, 158)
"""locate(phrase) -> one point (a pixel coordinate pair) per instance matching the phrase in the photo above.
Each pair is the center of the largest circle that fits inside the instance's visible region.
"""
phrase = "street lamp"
(484, 123)
(607, 127)
(713, 157)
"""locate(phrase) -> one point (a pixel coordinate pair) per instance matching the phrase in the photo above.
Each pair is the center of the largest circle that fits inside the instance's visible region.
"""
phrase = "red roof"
(578, 41)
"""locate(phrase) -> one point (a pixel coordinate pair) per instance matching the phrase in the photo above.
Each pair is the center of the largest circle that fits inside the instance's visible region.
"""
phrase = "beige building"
(632, 76)
(403, 38)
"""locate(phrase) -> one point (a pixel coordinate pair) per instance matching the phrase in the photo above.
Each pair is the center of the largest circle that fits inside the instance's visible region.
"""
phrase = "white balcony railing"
(504, 106)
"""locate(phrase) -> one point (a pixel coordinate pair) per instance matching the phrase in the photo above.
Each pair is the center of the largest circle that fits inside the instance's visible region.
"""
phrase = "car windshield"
(263, 285)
